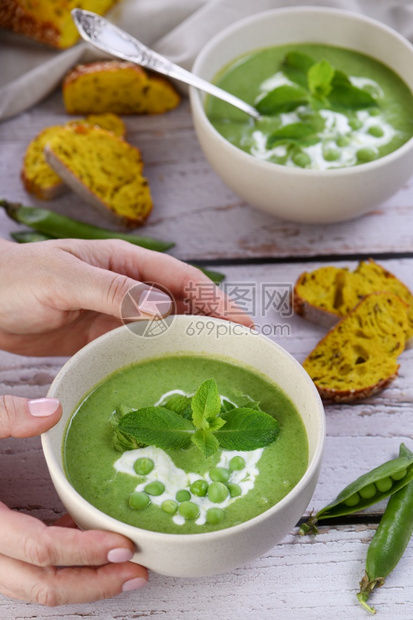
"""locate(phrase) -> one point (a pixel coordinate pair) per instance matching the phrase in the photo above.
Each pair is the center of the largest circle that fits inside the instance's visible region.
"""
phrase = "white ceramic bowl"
(194, 554)
(303, 195)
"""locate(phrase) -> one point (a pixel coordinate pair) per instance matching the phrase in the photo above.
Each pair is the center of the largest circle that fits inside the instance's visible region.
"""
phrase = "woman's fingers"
(57, 565)
(53, 586)
(20, 417)
(29, 540)
(117, 266)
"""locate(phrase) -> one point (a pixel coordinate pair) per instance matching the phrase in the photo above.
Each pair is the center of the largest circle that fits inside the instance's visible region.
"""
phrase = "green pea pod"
(368, 489)
(56, 225)
(30, 236)
(390, 540)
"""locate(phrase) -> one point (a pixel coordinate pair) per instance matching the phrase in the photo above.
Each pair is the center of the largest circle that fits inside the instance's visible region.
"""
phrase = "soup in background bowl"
(300, 190)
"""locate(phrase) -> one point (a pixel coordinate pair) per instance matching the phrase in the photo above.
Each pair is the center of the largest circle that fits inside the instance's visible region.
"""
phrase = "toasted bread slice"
(48, 21)
(358, 357)
(327, 294)
(117, 86)
(104, 170)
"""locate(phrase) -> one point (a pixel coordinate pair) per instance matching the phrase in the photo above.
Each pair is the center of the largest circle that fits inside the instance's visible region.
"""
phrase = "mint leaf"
(205, 441)
(247, 429)
(344, 95)
(180, 404)
(294, 132)
(157, 426)
(320, 76)
(282, 99)
(340, 79)
(216, 423)
(351, 97)
(206, 404)
(122, 442)
(295, 66)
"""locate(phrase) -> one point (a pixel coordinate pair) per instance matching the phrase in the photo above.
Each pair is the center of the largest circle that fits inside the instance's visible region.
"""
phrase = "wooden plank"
(311, 578)
(194, 208)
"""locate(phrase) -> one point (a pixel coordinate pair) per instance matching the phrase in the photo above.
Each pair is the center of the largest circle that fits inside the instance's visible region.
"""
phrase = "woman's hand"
(57, 565)
(56, 296)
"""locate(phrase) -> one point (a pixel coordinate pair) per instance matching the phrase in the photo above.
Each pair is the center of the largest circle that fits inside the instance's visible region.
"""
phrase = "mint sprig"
(212, 424)
(206, 404)
(317, 84)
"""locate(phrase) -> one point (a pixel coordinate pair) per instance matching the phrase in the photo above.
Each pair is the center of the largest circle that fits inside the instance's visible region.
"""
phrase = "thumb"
(21, 417)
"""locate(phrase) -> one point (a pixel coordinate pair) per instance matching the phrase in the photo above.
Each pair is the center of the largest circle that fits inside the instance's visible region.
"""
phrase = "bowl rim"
(131, 531)
(196, 96)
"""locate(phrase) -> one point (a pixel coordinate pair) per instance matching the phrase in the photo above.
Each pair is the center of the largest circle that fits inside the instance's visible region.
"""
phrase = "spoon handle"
(110, 39)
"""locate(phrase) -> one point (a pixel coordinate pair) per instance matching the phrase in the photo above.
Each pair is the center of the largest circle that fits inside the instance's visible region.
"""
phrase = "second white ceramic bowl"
(303, 195)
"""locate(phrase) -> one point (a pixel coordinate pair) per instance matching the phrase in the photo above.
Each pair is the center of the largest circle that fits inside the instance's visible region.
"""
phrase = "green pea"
(376, 131)
(143, 466)
(154, 488)
(170, 506)
(234, 489)
(215, 516)
(374, 112)
(355, 124)
(331, 154)
(217, 492)
(342, 141)
(353, 500)
(384, 484)
(300, 159)
(189, 510)
(199, 488)
(139, 500)
(219, 474)
(368, 491)
(398, 475)
(183, 495)
(237, 463)
(365, 154)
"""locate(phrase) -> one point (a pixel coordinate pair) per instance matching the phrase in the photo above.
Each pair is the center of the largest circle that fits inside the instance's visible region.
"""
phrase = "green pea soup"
(344, 137)
(182, 485)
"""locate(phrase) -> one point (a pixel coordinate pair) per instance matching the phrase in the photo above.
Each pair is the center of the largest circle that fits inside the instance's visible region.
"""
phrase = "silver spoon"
(109, 38)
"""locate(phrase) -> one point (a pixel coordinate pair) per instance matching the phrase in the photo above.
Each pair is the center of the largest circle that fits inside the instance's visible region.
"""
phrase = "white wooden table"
(301, 577)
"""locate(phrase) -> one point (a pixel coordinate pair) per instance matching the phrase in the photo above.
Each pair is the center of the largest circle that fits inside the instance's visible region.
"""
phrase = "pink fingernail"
(134, 584)
(42, 407)
(120, 555)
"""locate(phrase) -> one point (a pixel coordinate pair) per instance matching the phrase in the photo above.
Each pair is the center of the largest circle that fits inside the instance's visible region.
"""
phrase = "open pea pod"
(390, 540)
(368, 489)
